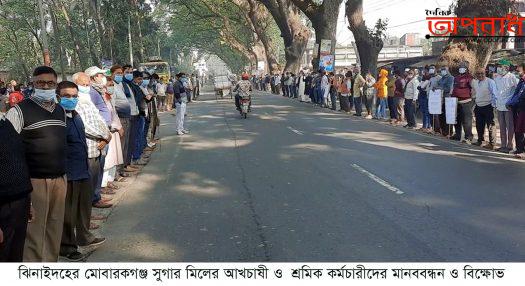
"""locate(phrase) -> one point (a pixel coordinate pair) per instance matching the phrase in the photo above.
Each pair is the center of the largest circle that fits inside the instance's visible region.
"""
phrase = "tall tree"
(476, 52)
(294, 32)
(323, 14)
(369, 42)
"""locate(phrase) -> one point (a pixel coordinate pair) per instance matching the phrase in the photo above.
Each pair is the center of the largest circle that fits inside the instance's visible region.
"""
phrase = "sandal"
(520, 156)
(113, 186)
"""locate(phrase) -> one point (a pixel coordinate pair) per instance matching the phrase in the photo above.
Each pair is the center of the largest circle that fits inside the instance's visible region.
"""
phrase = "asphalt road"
(298, 183)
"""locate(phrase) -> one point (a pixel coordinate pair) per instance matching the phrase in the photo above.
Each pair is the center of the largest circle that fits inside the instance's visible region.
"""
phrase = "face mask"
(443, 72)
(128, 76)
(69, 103)
(462, 70)
(83, 89)
(110, 89)
(502, 71)
(118, 78)
(145, 82)
(431, 71)
(45, 94)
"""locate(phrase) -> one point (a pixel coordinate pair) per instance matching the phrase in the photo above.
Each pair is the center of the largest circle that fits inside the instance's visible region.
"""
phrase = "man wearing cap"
(463, 92)
(506, 83)
(98, 83)
(485, 90)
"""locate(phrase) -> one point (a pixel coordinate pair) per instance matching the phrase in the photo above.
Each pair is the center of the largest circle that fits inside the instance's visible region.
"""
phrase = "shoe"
(121, 179)
(149, 149)
(185, 131)
(107, 191)
(478, 143)
(179, 133)
(131, 168)
(102, 205)
(125, 175)
(489, 146)
(93, 226)
(96, 242)
(151, 145)
(112, 186)
(520, 156)
(467, 141)
(141, 162)
(74, 256)
(503, 150)
(411, 127)
(368, 117)
(405, 126)
(98, 217)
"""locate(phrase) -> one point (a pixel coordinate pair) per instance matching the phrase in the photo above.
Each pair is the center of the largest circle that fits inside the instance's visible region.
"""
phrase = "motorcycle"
(245, 106)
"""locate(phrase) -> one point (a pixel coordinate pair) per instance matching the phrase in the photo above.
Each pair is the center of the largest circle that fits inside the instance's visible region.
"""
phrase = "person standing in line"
(463, 92)
(446, 85)
(423, 101)
(370, 94)
(334, 86)
(357, 89)
(382, 94)
(180, 104)
(161, 93)
(97, 136)
(15, 192)
(79, 189)
(287, 85)
(345, 89)
(169, 95)
(485, 91)
(391, 88)
(302, 86)
(506, 83)
(399, 97)
(42, 125)
(433, 84)
(410, 98)
(517, 104)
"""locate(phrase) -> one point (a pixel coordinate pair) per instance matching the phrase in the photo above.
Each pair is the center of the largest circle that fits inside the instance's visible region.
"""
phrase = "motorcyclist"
(243, 89)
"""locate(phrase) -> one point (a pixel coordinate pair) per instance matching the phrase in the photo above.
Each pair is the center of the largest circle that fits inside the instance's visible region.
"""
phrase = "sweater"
(77, 149)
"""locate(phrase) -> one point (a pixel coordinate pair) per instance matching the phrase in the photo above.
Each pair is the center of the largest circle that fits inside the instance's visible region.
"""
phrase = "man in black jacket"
(15, 187)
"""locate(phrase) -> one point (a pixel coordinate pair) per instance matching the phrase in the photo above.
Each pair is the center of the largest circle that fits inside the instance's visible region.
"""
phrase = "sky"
(405, 16)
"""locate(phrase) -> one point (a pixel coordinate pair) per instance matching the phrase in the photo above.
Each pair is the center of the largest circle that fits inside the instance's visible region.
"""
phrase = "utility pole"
(158, 45)
(130, 43)
(43, 34)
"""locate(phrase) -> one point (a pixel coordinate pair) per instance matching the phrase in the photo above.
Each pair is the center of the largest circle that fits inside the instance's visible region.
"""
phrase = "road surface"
(295, 182)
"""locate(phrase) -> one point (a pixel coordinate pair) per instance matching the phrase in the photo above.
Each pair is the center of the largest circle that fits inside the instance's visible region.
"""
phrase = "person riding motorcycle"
(243, 89)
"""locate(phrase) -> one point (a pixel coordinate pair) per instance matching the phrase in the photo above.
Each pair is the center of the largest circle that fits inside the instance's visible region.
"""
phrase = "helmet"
(245, 76)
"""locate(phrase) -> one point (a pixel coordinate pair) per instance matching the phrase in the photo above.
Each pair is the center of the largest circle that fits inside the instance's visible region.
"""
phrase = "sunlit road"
(298, 183)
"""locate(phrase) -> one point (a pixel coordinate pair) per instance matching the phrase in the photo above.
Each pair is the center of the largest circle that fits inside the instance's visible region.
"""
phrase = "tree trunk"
(477, 53)
(324, 21)
(58, 43)
(92, 52)
(78, 49)
(259, 17)
(368, 46)
(99, 27)
(294, 33)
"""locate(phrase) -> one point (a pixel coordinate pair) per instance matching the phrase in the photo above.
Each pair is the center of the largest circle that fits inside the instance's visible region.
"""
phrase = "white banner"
(391, 274)
(451, 110)
(435, 101)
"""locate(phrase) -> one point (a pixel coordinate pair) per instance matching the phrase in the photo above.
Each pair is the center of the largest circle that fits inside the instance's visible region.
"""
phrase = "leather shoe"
(102, 205)
(93, 226)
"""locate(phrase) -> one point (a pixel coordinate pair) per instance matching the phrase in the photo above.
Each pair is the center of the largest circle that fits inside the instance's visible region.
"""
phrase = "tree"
(476, 52)
(369, 42)
(323, 15)
(294, 33)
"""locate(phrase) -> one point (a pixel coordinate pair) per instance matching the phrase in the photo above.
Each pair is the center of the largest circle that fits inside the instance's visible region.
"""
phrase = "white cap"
(93, 71)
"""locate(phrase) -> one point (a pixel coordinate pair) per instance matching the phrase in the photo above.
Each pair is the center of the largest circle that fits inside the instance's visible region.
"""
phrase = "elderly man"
(97, 135)
(485, 90)
(463, 91)
(42, 125)
(506, 83)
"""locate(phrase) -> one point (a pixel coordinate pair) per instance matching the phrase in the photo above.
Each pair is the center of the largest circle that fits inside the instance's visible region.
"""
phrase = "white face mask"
(502, 71)
(110, 89)
(45, 94)
(83, 89)
(462, 70)
(431, 71)
(444, 73)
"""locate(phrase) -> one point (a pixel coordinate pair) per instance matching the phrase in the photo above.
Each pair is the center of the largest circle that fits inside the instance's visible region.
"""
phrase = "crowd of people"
(64, 148)
(402, 97)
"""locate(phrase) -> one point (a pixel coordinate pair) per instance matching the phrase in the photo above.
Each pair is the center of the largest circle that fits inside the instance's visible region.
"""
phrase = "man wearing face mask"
(463, 91)
(141, 100)
(506, 83)
(97, 88)
(485, 91)
(78, 198)
(42, 125)
(435, 77)
(97, 136)
(127, 84)
(446, 85)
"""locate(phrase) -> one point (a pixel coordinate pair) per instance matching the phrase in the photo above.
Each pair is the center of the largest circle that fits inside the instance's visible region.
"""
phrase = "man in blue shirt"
(79, 188)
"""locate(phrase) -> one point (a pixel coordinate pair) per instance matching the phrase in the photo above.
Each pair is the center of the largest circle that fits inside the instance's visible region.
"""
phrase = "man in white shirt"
(485, 91)
(506, 83)
(411, 94)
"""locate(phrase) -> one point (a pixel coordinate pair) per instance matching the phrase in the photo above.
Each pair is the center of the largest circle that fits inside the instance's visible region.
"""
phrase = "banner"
(195, 274)
(435, 101)
(326, 59)
(451, 110)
